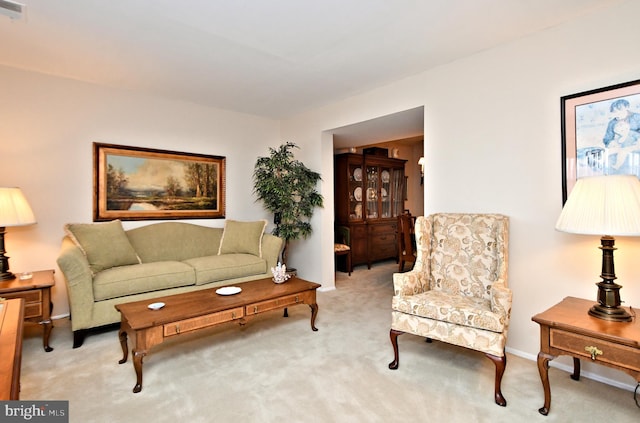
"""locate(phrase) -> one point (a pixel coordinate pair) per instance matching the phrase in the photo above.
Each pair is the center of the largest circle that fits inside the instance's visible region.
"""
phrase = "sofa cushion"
(146, 277)
(453, 308)
(242, 237)
(226, 266)
(104, 244)
(167, 241)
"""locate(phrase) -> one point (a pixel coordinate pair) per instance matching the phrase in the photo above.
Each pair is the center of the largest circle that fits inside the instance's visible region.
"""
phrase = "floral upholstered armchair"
(457, 291)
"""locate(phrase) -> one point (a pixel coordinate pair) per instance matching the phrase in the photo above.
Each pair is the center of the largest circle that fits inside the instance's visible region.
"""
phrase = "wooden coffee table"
(188, 312)
(11, 316)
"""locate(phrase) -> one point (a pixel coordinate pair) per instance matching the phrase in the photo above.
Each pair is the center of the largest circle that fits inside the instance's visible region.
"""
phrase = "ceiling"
(271, 58)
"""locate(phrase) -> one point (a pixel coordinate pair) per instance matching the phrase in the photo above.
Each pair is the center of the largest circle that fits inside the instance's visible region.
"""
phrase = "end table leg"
(48, 325)
(314, 314)
(576, 369)
(543, 369)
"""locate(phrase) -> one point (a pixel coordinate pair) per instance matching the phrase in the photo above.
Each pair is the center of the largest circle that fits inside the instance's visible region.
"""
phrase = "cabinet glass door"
(386, 193)
(356, 181)
(397, 192)
(371, 194)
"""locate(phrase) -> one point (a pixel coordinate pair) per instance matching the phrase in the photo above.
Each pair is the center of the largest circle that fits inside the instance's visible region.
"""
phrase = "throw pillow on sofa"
(104, 244)
(242, 237)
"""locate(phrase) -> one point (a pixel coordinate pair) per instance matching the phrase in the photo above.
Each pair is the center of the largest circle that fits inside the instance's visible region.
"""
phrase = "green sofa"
(104, 265)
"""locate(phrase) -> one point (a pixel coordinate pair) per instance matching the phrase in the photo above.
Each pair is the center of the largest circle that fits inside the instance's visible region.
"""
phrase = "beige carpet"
(276, 369)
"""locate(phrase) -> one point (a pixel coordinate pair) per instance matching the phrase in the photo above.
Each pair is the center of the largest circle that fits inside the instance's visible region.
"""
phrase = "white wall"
(48, 125)
(493, 144)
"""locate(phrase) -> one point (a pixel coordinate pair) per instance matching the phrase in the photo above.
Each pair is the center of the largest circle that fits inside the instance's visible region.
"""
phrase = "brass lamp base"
(608, 307)
(5, 274)
(615, 314)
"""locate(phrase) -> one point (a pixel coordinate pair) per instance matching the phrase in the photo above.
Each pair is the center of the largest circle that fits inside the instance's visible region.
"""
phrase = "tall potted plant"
(288, 190)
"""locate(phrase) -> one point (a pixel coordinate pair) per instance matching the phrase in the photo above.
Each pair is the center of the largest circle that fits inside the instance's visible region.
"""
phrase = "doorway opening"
(393, 139)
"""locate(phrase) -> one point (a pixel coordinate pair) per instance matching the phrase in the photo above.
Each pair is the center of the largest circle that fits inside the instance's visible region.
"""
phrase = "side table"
(568, 329)
(36, 293)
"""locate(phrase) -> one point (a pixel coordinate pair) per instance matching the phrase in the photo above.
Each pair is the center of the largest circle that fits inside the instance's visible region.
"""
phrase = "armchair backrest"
(463, 253)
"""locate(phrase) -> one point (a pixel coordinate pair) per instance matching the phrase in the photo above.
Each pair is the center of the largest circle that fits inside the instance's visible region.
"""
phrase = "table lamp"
(607, 206)
(14, 211)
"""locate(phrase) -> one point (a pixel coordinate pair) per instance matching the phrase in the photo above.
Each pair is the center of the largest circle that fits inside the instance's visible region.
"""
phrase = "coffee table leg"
(123, 344)
(314, 313)
(137, 365)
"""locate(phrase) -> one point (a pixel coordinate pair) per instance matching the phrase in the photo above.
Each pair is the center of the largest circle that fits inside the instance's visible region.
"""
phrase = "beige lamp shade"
(603, 205)
(14, 208)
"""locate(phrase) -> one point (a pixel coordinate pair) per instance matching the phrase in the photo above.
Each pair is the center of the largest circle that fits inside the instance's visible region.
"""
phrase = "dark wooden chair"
(406, 240)
(342, 246)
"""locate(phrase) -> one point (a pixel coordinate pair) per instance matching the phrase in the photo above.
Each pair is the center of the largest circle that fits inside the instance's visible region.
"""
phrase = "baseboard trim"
(60, 316)
(327, 288)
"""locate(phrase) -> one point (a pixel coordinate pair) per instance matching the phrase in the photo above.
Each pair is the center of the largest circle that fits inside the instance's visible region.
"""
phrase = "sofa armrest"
(501, 299)
(79, 279)
(271, 249)
(410, 283)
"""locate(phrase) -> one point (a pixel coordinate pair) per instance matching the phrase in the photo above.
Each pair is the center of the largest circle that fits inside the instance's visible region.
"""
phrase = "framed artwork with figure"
(133, 183)
(600, 133)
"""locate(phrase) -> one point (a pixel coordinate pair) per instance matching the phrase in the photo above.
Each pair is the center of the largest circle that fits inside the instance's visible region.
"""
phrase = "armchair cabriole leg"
(501, 364)
(393, 334)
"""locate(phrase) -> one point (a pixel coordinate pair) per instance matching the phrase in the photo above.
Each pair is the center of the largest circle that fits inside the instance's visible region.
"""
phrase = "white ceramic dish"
(357, 193)
(228, 290)
(156, 306)
(357, 174)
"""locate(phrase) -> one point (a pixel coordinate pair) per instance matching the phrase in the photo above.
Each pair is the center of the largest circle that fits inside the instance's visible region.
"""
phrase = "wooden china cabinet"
(369, 196)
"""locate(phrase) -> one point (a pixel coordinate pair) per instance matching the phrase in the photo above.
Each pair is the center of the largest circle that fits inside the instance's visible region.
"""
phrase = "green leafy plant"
(288, 190)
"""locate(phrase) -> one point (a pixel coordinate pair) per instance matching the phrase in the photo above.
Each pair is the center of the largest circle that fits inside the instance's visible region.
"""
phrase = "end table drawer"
(32, 302)
(279, 302)
(605, 352)
(32, 310)
(195, 323)
(29, 296)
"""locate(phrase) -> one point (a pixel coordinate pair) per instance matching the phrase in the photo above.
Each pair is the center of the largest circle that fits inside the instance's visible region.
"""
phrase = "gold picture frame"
(133, 183)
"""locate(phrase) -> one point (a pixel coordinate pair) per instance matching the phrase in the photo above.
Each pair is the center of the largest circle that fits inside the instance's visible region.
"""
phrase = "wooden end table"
(567, 329)
(36, 293)
(192, 311)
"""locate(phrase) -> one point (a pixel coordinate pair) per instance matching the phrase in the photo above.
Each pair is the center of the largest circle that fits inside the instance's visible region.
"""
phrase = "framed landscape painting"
(600, 133)
(132, 183)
